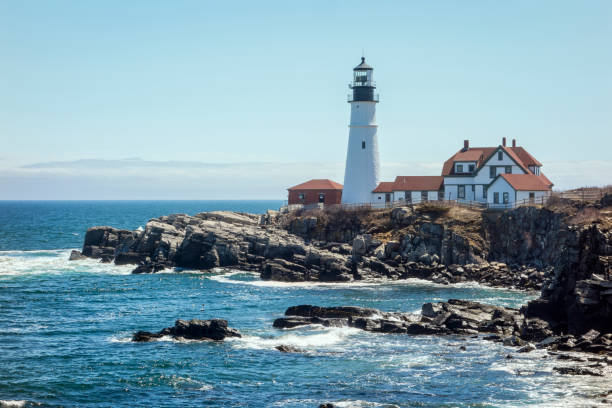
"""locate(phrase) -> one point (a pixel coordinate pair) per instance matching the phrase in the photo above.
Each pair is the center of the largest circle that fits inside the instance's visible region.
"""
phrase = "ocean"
(65, 329)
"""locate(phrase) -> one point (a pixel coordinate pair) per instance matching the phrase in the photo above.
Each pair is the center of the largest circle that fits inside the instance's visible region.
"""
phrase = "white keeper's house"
(499, 176)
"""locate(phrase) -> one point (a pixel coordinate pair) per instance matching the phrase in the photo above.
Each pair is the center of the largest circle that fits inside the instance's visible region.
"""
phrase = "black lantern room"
(363, 84)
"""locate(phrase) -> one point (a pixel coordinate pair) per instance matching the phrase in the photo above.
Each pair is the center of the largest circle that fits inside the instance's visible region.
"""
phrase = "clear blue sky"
(243, 99)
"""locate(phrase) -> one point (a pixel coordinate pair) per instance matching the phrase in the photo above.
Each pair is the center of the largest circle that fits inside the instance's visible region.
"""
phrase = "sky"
(184, 99)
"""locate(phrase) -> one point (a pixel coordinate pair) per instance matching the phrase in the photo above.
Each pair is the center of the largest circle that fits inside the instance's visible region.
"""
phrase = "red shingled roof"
(481, 154)
(526, 182)
(384, 187)
(525, 157)
(545, 180)
(318, 184)
(418, 183)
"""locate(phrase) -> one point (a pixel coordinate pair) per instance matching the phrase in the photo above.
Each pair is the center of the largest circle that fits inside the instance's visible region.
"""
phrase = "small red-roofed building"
(510, 189)
(383, 193)
(316, 191)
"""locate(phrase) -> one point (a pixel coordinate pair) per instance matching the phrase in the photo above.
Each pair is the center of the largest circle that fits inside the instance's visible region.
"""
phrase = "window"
(508, 170)
(531, 197)
(496, 198)
(460, 168)
(321, 197)
(500, 155)
(473, 188)
(363, 144)
(461, 191)
(471, 168)
(302, 196)
(423, 195)
(484, 191)
(506, 198)
(492, 171)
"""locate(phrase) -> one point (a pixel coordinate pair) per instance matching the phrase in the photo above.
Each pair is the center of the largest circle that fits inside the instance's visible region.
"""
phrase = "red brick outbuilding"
(316, 191)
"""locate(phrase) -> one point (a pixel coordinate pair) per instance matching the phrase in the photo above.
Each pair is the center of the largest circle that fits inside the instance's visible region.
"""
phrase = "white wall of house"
(480, 179)
(465, 166)
(380, 198)
(500, 186)
(399, 196)
(523, 196)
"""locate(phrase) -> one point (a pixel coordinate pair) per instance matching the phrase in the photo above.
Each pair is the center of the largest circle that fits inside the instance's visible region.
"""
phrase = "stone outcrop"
(526, 248)
(467, 318)
(215, 329)
(452, 317)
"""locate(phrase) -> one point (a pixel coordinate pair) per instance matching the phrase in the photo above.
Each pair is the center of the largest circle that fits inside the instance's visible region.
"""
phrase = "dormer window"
(460, 168)
(500, 155)
(471, 168)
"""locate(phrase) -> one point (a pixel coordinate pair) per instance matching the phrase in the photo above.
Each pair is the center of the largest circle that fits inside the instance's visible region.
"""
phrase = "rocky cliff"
(566, 252)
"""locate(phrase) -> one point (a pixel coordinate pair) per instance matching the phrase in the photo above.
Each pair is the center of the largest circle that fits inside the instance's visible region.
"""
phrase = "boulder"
(195, 329)
(76, 255)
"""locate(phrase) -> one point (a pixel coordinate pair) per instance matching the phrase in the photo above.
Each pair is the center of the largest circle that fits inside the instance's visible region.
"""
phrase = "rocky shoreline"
(529, 248)
(592, 350)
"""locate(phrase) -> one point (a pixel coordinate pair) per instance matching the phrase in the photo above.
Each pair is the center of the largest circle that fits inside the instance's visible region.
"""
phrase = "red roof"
(318, 184)
(525, 157)
(545, 180)
(526, 182)
(384, 187)
(481, 154)
(418, 183)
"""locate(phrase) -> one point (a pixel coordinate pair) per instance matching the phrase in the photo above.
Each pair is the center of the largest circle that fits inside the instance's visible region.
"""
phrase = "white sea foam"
(53, 262)
(12, 403)
(227, 278)
(319, 339)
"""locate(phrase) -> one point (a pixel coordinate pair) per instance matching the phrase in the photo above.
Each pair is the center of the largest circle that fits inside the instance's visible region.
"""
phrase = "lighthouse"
(361, 174)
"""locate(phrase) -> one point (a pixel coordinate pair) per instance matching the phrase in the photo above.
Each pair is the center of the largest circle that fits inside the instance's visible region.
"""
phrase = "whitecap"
(324, 338)
(12, 403)
(54, 262)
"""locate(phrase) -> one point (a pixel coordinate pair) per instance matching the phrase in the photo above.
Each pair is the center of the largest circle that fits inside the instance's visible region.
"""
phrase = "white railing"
(475, 205)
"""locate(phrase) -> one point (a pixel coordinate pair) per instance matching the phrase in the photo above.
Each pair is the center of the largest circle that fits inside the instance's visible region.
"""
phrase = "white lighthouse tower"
(361, 174)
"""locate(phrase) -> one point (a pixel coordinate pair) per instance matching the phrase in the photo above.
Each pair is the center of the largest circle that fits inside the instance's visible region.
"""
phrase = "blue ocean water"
(65, 330)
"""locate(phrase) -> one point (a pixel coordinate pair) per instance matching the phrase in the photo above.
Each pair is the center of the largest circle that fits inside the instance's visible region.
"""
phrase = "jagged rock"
(76, 255)
(330, 312)
(578, 371)
(195, 329)
(144, 336)
(526, 348)
(283, 348)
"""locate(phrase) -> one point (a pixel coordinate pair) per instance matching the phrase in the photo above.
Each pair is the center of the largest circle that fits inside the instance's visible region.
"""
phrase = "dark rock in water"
(145, 336)
(214, 329)
(526, 348)
(295, 321)
(283, 348)
(578, 371)
(330, 312)
(76, 255)
(327, 405)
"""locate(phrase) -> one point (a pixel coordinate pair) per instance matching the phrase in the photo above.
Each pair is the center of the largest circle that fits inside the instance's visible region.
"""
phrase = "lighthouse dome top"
(363, 66)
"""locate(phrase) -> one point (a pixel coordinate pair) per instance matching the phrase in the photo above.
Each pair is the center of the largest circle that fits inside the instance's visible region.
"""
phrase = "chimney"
(513, 142)
(466, 144)
(504, 142)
